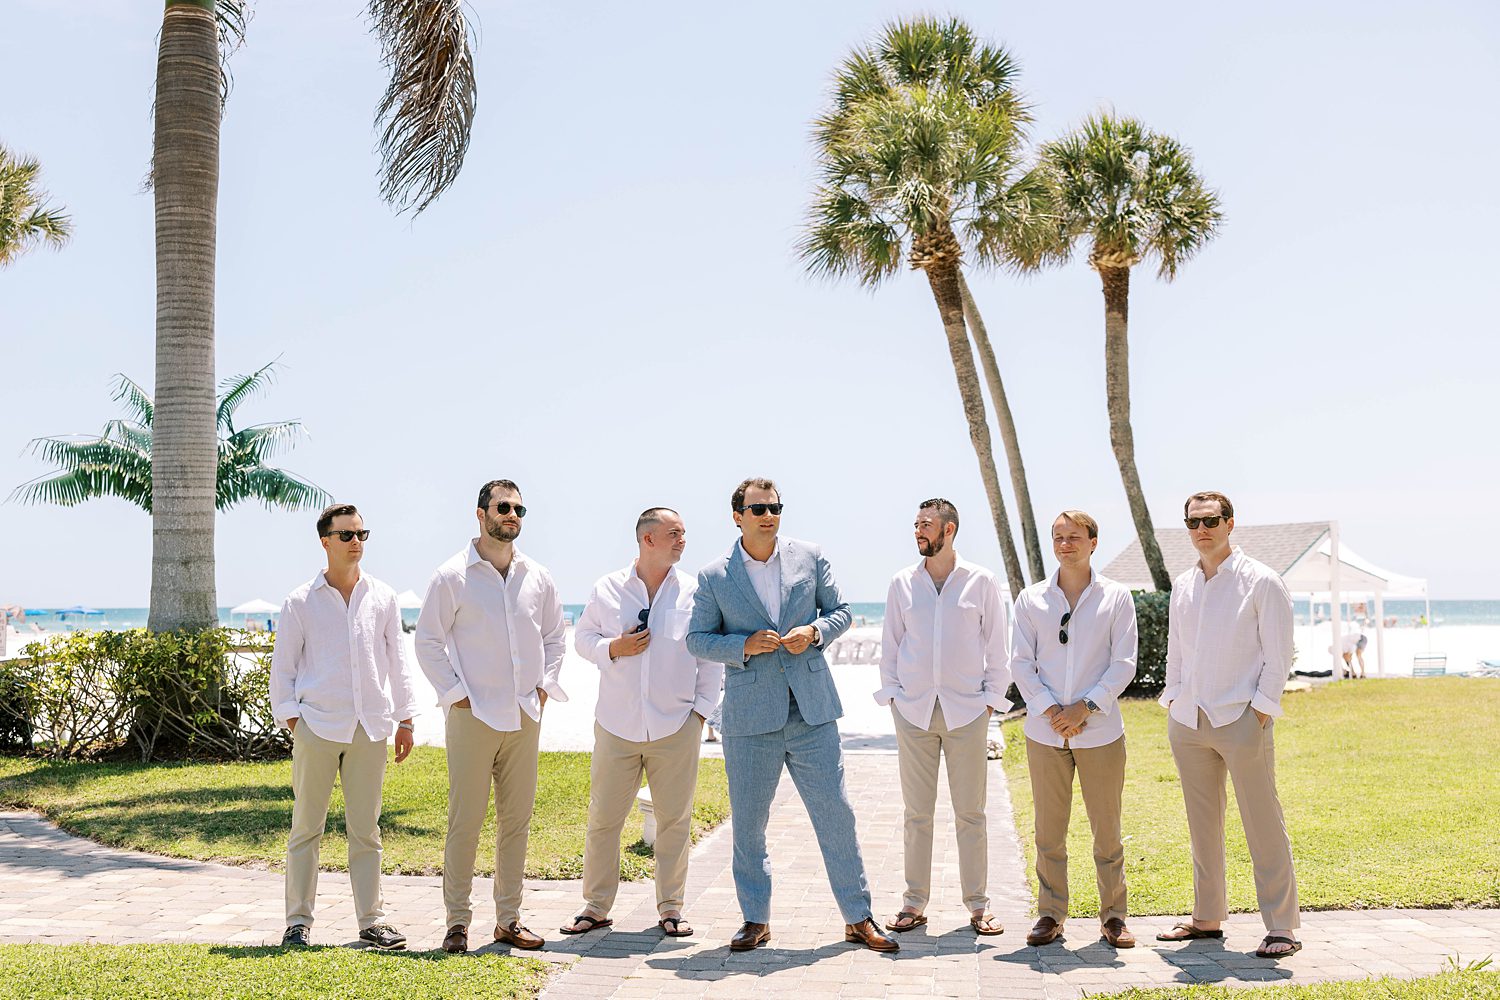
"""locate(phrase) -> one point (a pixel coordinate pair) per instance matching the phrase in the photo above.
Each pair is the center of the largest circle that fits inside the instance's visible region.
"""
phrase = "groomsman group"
(759, 619)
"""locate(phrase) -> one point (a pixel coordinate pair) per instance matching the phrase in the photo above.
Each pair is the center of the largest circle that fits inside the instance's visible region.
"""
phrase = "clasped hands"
(1070, 721)
(768, 640)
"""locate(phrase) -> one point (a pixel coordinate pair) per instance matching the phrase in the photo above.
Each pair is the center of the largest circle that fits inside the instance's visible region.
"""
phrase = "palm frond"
(91, 468)
(235, 389)
(136, 399)
(272, 487)
(24, 220)
(253, 445)
(233, 17)
(427, 112)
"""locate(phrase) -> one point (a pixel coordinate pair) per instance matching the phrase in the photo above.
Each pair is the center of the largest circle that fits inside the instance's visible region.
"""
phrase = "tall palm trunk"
(1008, 435)
(1117, 390)
(938, 257)
(185, 177)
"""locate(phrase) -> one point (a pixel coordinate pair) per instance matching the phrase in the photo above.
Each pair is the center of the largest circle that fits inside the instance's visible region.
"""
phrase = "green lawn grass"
(1391, 790)
(213, 972)
(240, 813)
(1448, 986)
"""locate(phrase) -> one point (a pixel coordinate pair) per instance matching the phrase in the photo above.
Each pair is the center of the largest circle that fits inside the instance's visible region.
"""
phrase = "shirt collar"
(1055, 585)
(1231, 565)
(516, 558)
(747, 558)
(321, 580)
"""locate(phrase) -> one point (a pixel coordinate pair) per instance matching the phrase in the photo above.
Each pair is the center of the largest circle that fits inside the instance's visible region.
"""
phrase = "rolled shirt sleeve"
(286, 657)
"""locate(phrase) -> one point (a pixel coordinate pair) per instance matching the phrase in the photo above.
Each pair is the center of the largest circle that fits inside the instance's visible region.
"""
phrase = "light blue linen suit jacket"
(726, 611)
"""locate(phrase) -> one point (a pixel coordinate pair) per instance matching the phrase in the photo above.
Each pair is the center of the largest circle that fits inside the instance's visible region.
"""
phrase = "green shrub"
(164, 694)
(1151, 660)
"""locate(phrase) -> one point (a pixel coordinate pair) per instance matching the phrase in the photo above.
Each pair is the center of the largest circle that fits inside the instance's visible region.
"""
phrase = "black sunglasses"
(348, 536)
(759, 509)
(645, 614)
(1062, 629)
(1207, 522)
(505, 507)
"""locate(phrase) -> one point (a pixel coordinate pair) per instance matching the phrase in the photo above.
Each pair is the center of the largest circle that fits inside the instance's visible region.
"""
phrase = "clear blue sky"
(606, 306)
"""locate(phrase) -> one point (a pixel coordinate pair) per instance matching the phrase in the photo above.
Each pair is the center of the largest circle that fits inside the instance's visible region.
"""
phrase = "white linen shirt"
(1097, 662)
(647, 696)
(492, 639)
(765, 577)
(1229, 642)
(337, 666)
(950, 648)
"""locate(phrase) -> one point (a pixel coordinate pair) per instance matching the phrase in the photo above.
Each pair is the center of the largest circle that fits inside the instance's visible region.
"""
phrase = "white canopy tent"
(255, 607)
(408, 600)
(1311, 560)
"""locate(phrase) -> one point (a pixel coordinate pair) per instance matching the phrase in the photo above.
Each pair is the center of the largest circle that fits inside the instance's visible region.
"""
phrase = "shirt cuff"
(407, 712)
(285, 713)
(886, 695)
(454, 694)
(554, 691)
(999, 702)
(1265, 706)
(705, 706)
(1169, 695)
(601, 656)
(1099, 696)
(1040, 704)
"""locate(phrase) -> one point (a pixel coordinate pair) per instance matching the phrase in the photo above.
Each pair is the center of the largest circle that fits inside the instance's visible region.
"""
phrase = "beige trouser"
(360, 767)
(1101, 772)
(477, 757)
(917, 752)
(671, 766)
(1245, 750)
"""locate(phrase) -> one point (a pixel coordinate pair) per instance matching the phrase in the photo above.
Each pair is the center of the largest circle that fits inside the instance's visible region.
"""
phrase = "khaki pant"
(1245, 751)
(917, 756)
(1101, 772)
(360, 767)
(671, 767)
(479, 756)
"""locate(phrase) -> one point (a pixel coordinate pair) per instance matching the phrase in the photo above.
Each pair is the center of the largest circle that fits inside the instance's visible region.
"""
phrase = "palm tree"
(117, 463)
(1132, 194)
(918, 156)
(424, 121)
(24, 220)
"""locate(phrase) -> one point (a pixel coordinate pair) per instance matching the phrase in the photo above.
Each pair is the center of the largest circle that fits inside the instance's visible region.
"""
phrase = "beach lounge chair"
(1429, 664)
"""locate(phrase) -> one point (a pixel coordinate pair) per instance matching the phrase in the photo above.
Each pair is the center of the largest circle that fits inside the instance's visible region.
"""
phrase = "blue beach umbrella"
(79, 609)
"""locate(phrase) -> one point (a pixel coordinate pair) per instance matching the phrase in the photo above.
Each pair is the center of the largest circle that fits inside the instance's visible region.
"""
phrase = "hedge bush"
(161, 694)
(1151, 659)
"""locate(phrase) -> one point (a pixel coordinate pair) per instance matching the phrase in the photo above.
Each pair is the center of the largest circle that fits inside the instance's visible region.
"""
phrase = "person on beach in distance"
(767, 610)
(1072, 656)
(943, 671)
(653, 699)
(490, 639)
(339, 680)
(1229, 650)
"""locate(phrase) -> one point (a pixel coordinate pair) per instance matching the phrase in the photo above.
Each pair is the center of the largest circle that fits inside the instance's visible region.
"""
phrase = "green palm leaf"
(235, 389)
(24, 220)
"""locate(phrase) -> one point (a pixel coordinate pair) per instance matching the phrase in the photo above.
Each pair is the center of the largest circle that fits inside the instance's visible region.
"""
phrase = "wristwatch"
(1094, 709)
(817, 637)
(406, 726)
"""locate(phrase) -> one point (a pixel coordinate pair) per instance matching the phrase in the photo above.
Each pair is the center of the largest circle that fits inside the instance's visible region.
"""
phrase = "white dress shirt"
(647, 696)
(1229, 642)
(1097, 662)
(492, 639)
(337, 666)
(950, 648)
(765, 577)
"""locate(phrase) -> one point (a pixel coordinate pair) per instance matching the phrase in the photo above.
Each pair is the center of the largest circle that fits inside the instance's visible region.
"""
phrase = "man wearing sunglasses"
(1229, 652)
(490, 639)
(943, 672)
(339, 682)
(767, 610)
(1073, 655)
(654, 696)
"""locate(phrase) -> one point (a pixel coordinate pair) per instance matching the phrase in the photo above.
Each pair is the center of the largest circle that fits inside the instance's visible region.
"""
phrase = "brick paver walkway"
(56, 888)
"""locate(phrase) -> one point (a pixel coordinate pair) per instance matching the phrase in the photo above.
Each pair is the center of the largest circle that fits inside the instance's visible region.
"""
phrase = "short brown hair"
(1081, 519)
(496, 484)
(946, 512)
(738, 499)
(1226, 509)
(332, 511)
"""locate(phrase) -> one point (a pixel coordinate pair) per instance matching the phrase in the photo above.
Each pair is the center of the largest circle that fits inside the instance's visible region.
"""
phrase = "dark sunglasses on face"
(348, 536)
(505, 507)
(759, 509)
(1062, 629)
(1207, 522)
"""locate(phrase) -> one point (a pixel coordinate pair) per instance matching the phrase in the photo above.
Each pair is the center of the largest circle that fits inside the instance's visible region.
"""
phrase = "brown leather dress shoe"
(749, 936)
(518, 937)
(1046, 931)
(869, 934)
(457, 941)
(1117, 934)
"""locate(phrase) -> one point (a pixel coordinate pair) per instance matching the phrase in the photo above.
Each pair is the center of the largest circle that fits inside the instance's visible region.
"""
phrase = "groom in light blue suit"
(767, 610)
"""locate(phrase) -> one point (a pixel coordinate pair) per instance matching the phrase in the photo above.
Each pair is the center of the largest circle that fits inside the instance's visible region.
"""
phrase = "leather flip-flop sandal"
(594, 923)
(1261, 952)
(679, 928)
(915, 920)
(1192, 934)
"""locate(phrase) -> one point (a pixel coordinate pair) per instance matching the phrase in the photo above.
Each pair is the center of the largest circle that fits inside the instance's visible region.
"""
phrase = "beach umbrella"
(79, 609)
(408, 600)
(255, 607)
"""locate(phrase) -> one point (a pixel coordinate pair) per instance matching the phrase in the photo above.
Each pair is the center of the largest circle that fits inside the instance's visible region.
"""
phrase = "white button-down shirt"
(1097, 662)
(492, 639)
(1229, 642)
(647, 696)
(950, 648)
(765, 577)
(337, 666)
